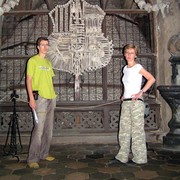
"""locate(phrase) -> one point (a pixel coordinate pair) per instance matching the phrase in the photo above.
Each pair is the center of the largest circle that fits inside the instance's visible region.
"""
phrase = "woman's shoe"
(114, 161)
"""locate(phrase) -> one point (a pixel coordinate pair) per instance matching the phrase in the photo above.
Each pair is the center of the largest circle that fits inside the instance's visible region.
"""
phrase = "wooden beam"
(125, 11)
(32, 12)
(108, 11)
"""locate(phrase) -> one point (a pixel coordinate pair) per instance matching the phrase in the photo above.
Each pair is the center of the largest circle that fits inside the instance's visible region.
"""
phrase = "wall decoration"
(161, 5)
(77, 44)
(6, 7)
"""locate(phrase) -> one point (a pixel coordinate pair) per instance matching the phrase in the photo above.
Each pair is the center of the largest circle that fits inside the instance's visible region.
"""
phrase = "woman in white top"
(131, 125)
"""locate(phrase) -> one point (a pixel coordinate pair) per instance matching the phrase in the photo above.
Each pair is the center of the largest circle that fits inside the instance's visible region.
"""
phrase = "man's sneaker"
(33, 165)
(49, 158)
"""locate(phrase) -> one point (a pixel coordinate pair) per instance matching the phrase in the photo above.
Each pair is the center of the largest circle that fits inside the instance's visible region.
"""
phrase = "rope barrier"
(73, 108)
(147, 108)
(88, 107)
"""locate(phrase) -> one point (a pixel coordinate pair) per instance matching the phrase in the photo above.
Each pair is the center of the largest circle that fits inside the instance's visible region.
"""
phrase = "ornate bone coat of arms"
(77, 43)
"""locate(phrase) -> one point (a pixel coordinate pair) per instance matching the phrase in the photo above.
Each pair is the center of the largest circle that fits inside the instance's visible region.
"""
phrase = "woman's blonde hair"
(131, 46)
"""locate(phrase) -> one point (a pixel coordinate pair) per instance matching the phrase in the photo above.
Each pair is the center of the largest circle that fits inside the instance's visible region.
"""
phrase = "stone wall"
(166, 27)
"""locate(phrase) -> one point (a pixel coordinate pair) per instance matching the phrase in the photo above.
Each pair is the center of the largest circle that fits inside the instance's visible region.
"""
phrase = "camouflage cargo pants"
(131, 127)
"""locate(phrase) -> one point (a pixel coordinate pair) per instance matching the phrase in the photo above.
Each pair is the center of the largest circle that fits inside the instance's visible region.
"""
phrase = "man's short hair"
(41, 39)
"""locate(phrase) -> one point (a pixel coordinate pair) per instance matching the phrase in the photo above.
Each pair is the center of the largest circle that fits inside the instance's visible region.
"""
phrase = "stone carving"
(174, 45)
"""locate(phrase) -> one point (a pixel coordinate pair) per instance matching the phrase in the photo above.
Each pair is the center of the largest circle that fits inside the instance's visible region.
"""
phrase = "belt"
(130, 99)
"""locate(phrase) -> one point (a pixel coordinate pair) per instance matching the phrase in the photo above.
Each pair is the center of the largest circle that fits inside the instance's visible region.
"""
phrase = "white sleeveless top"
(132, 80)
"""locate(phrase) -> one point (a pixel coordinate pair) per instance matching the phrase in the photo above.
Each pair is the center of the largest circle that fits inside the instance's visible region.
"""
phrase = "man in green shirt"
(42, 100)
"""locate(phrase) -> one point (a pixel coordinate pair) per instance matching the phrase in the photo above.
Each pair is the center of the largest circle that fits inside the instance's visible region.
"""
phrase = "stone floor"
(89, 161)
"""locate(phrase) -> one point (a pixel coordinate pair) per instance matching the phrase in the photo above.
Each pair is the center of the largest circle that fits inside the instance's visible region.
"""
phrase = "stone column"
(171, 94)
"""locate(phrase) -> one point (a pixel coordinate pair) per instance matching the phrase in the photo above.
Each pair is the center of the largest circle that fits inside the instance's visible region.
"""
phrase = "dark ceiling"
(28, 6)
(36, 4)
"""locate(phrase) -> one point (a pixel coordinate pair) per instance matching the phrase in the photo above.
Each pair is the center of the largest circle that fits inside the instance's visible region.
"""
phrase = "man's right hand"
(32, 103)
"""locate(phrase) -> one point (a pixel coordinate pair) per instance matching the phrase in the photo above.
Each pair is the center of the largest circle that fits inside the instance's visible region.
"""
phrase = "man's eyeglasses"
(44, 45)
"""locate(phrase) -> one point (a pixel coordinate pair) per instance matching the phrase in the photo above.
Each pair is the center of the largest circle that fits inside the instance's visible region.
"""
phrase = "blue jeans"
(42, 131)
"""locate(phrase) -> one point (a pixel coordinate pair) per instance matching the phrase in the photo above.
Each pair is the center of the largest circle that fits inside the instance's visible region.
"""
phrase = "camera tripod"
(13, 148)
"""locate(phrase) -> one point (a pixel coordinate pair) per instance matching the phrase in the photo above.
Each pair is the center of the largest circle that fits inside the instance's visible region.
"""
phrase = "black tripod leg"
(7, 137)
(13, 128)
(17, 125)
